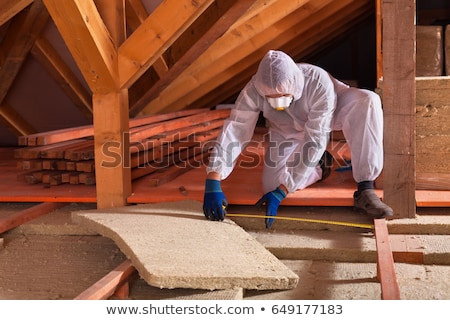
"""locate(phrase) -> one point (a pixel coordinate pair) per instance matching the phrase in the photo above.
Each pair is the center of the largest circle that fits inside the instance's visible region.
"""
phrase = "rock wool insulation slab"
(172, 245)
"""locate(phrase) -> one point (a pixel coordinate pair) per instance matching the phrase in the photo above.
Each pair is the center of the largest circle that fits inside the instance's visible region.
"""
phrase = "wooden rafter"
(311, 40)
(14, 121)
(53, 63)
(212, 24)
(155, 35)
(233, 51)
(9, 9)
(204, 76)
(22, 32)
(89, 41)
(136, 15)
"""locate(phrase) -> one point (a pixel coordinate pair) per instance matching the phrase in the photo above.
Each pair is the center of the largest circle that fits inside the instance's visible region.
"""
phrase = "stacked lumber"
(162, 147)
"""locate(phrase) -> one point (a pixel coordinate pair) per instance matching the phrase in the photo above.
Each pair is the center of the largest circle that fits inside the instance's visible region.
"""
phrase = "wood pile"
(162, 147)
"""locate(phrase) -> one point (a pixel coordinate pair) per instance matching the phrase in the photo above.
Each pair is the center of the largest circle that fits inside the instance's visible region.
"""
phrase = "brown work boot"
(368, 202)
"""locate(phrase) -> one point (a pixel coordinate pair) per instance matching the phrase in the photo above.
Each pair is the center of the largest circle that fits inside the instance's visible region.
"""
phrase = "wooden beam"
(9, 9)
(89, 41)
(312, 39)
(390, 289)
(19, 218)
(155, 35)
(212, 24)
(21, 35)
(14, 121)
(399, 103)
(319, 36)
(135, 13)
(114, 18)
(298, 24)
(227, 46)
(310, 23)
(53, 63)
(109, 284)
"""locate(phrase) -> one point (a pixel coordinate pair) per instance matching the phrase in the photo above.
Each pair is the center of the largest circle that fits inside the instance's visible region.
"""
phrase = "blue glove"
(214, 203)
(272, 201)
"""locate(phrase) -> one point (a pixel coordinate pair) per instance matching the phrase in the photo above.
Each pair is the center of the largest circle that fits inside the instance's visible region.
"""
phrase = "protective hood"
(278, 74)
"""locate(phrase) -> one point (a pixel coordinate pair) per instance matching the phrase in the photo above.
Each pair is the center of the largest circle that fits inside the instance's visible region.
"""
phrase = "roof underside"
(178, 54)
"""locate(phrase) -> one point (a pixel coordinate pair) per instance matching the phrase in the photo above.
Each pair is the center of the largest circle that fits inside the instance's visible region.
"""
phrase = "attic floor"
(51, 257)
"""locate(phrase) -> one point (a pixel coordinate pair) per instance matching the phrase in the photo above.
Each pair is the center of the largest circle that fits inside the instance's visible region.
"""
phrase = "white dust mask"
(280, 103)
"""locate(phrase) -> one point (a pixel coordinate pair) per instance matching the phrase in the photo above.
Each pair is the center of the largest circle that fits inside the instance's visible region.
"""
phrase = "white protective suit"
(299, 134)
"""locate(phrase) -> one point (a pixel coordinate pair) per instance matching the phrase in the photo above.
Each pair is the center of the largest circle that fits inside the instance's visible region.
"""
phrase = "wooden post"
(111, 144)
(399, 99)
(111, 122)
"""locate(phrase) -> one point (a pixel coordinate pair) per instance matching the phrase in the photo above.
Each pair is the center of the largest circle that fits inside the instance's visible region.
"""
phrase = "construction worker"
(302, 104)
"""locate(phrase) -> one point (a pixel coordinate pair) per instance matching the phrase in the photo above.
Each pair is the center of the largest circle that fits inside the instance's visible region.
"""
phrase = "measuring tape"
(347, 224)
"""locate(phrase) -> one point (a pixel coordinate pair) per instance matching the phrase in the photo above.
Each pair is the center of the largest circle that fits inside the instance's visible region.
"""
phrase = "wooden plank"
(433, 181)
(184, 161)
(390, 289)
(151, 130)
(399, 103)
(68, 134)
(158, 168)
(151, 149)
(44, 151)
(87, 178)
(30, 164)
(79, 152)
(109, 284)
(26, 215)
(85, 166)
(58, 150)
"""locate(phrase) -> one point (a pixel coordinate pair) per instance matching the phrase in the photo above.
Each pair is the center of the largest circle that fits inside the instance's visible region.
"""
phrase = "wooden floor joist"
(385, 262)
(23, 216)
(114, 283)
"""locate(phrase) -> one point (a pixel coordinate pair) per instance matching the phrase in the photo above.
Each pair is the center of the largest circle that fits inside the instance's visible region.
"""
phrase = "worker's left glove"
(272, 201)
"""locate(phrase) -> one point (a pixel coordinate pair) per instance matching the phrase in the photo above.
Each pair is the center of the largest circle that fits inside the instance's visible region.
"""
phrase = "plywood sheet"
(172, 245)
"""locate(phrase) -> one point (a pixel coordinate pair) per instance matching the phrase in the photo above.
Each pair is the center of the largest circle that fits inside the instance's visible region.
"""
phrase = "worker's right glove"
(272, 201)
(215, 203)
